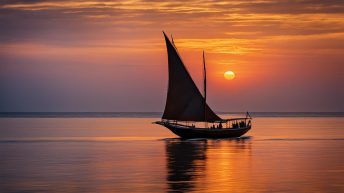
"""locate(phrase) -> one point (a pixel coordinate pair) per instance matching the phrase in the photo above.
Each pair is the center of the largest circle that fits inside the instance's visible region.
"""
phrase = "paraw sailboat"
(186, 109)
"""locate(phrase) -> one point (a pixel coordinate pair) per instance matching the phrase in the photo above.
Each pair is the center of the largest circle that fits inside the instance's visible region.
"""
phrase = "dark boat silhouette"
(186, 108)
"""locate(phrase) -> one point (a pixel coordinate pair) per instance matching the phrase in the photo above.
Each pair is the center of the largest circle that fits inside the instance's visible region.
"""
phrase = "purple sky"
(110, 55)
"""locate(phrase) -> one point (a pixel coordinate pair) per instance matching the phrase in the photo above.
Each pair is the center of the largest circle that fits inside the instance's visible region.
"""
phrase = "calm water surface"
(280, 154)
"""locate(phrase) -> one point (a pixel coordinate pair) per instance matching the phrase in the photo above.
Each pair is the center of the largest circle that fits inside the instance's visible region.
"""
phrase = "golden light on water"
(229, 75)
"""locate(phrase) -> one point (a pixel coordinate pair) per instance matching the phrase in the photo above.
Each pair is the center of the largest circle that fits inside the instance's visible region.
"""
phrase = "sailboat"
(187, 113)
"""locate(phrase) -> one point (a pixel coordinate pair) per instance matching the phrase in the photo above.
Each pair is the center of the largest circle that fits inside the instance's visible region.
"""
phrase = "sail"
(184, 100)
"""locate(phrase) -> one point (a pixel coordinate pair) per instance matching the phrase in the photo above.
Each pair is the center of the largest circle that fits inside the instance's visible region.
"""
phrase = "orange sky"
(111, 56)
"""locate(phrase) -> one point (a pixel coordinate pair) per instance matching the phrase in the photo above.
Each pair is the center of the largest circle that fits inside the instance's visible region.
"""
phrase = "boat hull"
(190, 132)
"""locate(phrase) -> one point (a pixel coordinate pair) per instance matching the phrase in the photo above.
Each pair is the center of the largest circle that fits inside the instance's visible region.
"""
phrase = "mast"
(205, 90)
(173, 41)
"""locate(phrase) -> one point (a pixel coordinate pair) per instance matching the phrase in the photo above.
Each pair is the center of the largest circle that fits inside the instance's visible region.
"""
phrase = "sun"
(229, 75)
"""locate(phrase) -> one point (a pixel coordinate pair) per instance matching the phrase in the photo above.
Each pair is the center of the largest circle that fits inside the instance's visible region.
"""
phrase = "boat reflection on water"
(191, 166)
(183, 159)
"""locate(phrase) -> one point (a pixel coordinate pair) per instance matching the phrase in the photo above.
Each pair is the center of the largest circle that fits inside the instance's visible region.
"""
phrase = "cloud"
(250, 36)
(220, 27)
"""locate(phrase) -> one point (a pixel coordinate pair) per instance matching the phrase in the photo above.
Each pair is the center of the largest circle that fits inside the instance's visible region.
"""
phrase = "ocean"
(125, 152)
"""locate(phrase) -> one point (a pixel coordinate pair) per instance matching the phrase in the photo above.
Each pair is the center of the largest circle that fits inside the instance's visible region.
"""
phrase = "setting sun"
(229, 75)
